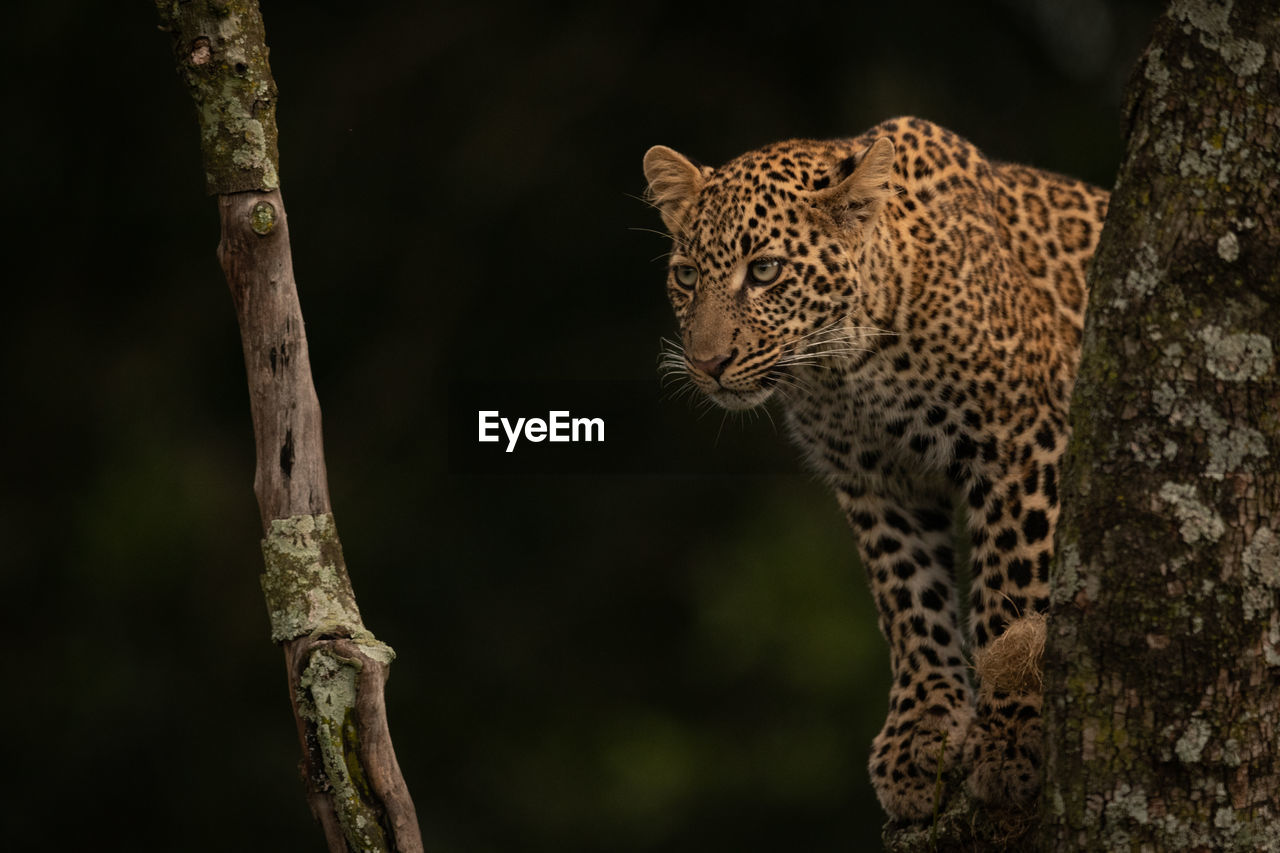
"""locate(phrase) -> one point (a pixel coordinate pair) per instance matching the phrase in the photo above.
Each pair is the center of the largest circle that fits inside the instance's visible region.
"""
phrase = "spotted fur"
(921, 333)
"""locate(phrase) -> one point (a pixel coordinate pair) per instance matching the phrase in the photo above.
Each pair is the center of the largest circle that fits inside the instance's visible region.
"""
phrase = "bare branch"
(337, 669)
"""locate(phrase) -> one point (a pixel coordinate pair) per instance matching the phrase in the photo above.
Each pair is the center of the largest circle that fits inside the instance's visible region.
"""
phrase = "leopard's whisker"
(769, 415)
(723, 418)
(642, 230)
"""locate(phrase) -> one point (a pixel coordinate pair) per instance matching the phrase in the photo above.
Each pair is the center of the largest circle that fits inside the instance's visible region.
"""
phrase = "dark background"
(681, 657)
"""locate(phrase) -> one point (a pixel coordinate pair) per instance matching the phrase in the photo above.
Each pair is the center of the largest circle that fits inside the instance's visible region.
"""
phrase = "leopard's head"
(764, 267)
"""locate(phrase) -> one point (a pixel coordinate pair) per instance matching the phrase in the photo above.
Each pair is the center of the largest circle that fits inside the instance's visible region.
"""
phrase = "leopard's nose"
(713, 366)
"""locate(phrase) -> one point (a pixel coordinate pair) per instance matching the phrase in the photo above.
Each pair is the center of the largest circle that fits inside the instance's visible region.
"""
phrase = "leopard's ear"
(857, 198)
(674, 181)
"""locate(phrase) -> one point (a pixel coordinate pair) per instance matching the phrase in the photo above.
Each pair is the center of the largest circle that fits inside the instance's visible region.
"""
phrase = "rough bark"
(1163, 661)
(336, 668)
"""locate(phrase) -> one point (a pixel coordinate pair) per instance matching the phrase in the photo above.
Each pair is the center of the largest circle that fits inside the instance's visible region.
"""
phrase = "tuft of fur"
(1012, 663)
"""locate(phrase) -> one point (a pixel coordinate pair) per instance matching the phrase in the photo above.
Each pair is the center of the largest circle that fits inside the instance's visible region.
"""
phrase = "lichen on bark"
(305, 582)
(227, 73)
(328, 696)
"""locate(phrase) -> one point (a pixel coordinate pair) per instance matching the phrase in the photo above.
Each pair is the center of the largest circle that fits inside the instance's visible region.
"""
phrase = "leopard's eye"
(686, 276)
(764, 271)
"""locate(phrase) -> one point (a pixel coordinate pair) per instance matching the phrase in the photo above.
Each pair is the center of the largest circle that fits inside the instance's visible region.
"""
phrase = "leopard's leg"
(906, 548)
(1013, 511)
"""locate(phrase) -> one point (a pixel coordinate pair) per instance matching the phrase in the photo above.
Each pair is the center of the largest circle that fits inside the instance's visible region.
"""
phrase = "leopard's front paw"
(910, 753)
(1003, 752)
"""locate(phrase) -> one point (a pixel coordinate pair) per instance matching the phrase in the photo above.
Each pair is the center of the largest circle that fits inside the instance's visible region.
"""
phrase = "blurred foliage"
(586, 663)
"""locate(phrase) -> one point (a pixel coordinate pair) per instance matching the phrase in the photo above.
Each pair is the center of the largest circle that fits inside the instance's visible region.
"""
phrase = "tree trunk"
(1162, 688)
(336, 668)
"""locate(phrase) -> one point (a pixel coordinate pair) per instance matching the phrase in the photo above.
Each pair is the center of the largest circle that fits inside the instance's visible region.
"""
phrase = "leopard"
(916, 311)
